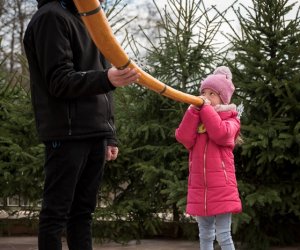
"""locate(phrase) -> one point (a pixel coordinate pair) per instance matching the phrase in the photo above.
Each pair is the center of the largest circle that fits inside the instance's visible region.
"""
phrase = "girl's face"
(212, 96)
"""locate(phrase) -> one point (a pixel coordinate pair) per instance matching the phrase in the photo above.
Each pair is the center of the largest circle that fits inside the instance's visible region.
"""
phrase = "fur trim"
(225, 107)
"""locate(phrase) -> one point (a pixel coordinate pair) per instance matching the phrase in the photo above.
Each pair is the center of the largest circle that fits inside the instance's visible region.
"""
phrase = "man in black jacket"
(71, 87)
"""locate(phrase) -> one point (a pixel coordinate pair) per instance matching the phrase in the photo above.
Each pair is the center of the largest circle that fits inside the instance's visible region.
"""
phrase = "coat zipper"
(69, 119)
(224, 170)
(108, 114)
(205, 183)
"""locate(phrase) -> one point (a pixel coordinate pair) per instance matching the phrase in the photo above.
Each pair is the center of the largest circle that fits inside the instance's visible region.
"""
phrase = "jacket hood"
(43, 2)
(226, 111)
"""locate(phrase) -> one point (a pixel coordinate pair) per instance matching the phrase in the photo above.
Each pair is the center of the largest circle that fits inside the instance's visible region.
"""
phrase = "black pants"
(73, 172)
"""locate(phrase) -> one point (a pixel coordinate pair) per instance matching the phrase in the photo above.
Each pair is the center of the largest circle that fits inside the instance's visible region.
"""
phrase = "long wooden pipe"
(101, 33)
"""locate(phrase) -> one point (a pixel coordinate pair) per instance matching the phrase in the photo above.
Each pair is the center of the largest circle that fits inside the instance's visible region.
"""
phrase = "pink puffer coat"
(212, 186)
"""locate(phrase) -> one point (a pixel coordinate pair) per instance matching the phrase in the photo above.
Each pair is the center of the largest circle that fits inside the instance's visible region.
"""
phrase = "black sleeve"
(54, 55)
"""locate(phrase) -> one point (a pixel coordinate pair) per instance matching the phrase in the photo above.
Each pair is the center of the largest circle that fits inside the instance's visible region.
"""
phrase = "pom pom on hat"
(223, 70)
(220, 82)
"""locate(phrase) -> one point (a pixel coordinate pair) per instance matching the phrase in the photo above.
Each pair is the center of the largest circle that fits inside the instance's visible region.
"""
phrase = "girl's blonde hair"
(239, 140)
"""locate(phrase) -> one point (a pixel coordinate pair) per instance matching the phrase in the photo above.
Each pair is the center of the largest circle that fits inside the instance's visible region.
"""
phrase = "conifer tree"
(267, 77)
(21, 155)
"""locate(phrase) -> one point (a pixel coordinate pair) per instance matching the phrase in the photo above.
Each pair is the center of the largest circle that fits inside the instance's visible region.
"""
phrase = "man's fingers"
(123, 72)
(122, 77)
(111, 153)
(128, 74)
(108, 155)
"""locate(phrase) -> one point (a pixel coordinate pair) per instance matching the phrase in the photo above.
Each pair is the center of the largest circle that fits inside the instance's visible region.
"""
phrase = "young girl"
(209, 133)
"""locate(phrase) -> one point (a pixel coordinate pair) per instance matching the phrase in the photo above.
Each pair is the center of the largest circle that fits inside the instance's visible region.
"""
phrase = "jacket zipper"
(205, 183)
(224, 170)
(69, 119)
(108, 114)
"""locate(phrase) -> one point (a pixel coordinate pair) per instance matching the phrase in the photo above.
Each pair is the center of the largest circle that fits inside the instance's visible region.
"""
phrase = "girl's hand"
(205, 100)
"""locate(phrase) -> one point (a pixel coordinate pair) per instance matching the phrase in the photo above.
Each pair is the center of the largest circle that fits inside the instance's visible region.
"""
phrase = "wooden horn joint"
(91, 12)
(163, 90)
(125, 66)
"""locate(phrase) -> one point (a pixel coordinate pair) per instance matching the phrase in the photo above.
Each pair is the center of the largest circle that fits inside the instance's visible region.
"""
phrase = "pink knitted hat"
(221, 82)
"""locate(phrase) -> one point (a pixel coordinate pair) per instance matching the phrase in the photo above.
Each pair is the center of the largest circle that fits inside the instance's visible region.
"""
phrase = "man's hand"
(111, 153)
(122, 77)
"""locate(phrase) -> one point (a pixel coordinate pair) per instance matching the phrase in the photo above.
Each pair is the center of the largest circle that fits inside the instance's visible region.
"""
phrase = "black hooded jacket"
(71, 92)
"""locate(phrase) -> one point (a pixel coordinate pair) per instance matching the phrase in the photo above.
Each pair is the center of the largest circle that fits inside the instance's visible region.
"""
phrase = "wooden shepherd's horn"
(100, 31)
